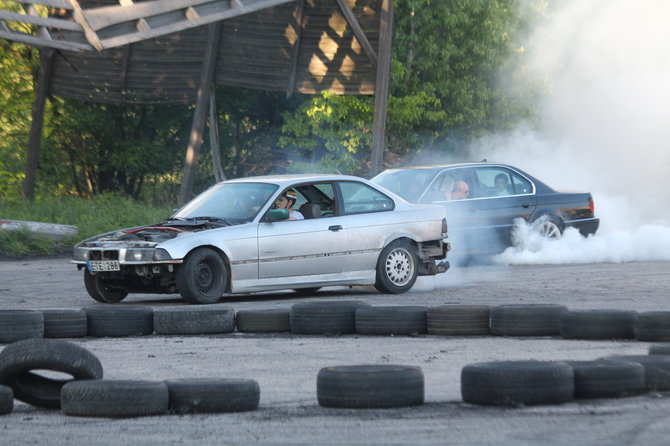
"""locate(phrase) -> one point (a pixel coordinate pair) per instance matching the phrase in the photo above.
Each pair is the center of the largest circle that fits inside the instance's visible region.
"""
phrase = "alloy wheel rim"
(399, 267)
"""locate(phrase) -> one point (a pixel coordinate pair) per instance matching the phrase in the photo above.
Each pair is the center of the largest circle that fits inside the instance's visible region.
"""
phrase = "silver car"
(232, 239)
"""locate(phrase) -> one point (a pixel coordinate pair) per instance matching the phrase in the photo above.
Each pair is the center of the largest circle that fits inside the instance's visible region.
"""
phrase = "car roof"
(439, 166)
(293, 178)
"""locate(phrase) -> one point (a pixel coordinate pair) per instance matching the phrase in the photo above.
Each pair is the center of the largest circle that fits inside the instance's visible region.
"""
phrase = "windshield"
(408, 183)
(235, 202)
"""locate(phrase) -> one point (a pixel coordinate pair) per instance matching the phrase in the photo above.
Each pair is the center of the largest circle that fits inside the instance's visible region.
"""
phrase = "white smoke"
(603, 128)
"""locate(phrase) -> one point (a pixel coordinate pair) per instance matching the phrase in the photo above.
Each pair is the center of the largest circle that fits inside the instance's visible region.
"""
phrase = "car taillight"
(592, 206)
(445, 227)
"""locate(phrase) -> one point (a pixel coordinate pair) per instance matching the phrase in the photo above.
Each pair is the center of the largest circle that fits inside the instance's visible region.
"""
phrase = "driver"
(286, 201)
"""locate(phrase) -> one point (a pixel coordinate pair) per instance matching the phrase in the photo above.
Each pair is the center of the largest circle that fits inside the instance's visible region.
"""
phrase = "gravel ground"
(286, 365)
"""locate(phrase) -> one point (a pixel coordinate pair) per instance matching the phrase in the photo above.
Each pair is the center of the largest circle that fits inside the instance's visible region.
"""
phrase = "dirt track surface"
(286, 366)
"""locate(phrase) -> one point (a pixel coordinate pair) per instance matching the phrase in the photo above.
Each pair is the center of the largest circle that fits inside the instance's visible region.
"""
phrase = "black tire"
(392, 320)
(20, 324)
(653, 326)
(307, 291)
(659, 349)
(325, 317)
(65, 323)
(106, 398)
(526, 320)
(549, 226)
(99, 289)
(194, 320)
(598, 324)
(370, 386)
(18, 360)
(656, 369)
(517, 383)
(608, 379)
(113, 321)
(459, 320)
(263, 321)
(6, 400)
(397, 267)
(203, 277)
(214, 395)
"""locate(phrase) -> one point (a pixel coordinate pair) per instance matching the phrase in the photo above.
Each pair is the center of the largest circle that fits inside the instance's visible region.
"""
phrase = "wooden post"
(34, 140)
(200, 115)
(214, 146)
(382, 86)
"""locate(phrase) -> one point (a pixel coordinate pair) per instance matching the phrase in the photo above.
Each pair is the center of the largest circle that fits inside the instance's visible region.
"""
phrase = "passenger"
(501, 185)
(461, 191)
(286, 201)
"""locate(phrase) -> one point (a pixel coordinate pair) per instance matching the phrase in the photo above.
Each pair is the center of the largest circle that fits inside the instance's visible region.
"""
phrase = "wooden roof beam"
(358, 31)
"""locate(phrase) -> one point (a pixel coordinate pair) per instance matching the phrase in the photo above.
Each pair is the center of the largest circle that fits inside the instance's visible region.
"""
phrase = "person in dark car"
(461, 191)
(286, 201)
(501, 185)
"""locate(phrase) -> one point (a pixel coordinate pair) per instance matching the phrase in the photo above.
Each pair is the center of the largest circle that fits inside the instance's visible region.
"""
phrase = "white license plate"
(95, 266)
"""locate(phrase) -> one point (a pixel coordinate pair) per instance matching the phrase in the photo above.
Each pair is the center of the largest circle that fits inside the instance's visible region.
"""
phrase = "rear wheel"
(202, 278)
(549, 227)
(100, 289)
(397, 268)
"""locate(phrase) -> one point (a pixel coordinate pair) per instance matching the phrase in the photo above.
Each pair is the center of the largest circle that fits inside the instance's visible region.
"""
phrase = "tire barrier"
(65, 323)
(392, 320)
(526, 320)
(19, 360)
(370, 386)
(598, 324)
(212, 395)
(263, 321)
(608, 379)
(6, 400)
(330, 317)
(459, 320)
(659, 349)
(20, 324)
(517, 383)
(107, 398)
(653, 326)
(194, 320)
(114, 321)
(656, 369)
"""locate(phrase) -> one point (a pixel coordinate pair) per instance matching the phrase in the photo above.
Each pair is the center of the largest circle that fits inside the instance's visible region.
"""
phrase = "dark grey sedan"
(483, 200)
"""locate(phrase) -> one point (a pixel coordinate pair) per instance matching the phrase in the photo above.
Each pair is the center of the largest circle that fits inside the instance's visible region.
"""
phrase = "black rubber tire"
(65, 323)
(6, 400)
(526, 320)
(656, 369)
(598, 324)
(18, 360)
(459, 320)
(653, 326)
(20, 324)
(608, 379)
(114, 399)
(370, 386)
(307, 291)
(659, 349)
(263, 321)
(213, 395)
(114, 322)
(517, 383)
(100, 290)
(203, 277)
(391, 320)
(331, 318)
(397, 267)
(194, 320)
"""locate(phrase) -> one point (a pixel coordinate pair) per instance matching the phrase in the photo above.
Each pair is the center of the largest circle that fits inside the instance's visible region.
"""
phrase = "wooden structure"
(173, 51)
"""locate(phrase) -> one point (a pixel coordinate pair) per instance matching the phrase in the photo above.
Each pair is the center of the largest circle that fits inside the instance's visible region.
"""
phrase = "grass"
(92, 216)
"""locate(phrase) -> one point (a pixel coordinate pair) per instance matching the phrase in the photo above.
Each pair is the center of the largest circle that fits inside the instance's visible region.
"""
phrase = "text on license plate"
(103, 265)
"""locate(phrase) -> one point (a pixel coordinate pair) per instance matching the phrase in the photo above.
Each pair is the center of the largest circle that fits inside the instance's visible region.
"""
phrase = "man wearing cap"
(286, 201)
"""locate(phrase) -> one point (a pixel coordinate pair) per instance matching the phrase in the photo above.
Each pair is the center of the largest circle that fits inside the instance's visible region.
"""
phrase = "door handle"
(335, 228)
(526, 205)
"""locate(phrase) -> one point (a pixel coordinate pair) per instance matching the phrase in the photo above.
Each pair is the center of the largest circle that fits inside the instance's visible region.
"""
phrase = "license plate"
(95, 266)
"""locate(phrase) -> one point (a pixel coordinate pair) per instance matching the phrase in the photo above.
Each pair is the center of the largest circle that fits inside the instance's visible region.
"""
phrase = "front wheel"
(396, 268)
(100, 289)
(203, 277)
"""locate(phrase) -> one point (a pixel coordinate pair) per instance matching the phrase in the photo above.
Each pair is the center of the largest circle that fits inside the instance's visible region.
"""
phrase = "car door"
(316, 246)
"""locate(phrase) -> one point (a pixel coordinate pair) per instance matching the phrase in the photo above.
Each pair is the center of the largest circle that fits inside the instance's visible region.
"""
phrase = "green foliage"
(23, 242)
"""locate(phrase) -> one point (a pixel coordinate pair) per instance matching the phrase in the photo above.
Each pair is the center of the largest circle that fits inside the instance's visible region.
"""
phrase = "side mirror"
(277, 215)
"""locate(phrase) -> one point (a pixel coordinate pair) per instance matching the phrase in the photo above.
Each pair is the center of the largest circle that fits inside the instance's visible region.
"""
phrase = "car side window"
(358, 198)
(501, 182)
(521, 185)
